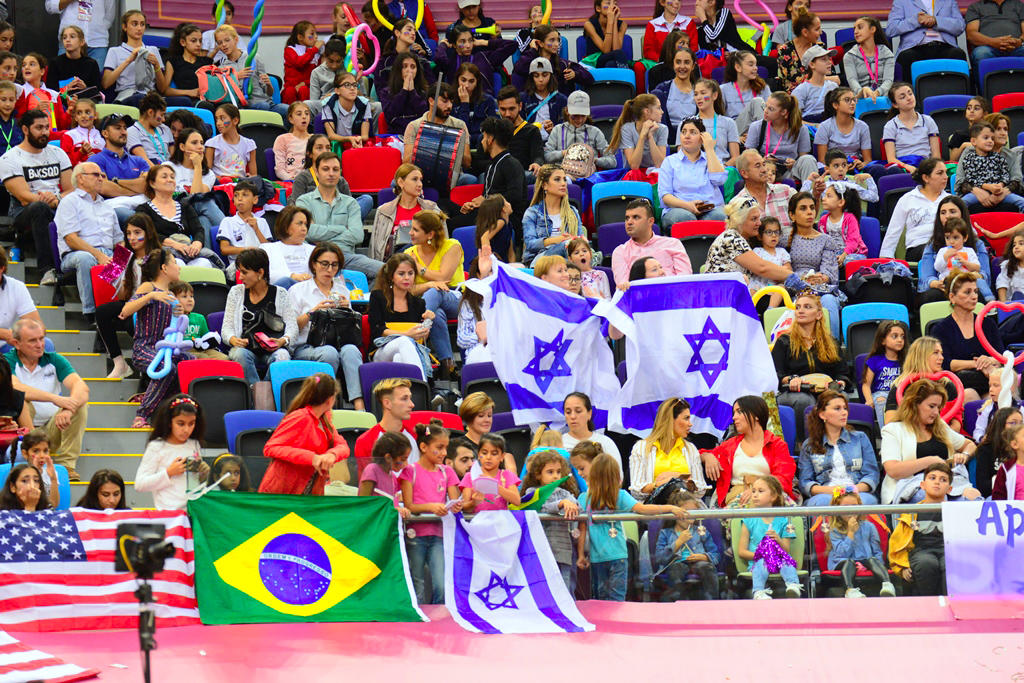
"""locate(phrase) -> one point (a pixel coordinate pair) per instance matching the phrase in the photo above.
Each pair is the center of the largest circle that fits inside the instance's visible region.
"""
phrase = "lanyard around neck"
(872, 74)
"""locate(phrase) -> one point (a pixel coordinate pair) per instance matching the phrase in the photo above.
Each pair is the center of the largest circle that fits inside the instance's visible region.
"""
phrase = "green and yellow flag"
(262, 558)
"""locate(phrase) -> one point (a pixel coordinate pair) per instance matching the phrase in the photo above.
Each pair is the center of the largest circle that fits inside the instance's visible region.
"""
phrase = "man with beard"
(34, 174)
(126, 173)
(526, 145)
(442, 117)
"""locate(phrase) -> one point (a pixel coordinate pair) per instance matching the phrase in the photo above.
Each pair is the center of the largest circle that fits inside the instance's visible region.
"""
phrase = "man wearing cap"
(526, 146)
(446, 96)
(126, 173)
(811, 92)
(35, 173)
(87, 230)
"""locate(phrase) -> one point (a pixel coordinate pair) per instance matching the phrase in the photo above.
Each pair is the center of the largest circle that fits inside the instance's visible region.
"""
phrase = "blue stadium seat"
(237, 422)
(865, 105)
(787, 417)
(871, 233)
(63, 483)
(581, 46)
(356, 280)
(1000, 75)
(844, 35)
(284, 371)
(940, 77)
(204, 114)
(612, 86)
(466, 236)
(614, 196)
(860, 321)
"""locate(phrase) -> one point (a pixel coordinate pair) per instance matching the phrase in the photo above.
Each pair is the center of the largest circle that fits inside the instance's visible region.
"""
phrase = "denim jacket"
(664, 552)
(926, 266)
(864, 545)
(814, 469)
(537, 228)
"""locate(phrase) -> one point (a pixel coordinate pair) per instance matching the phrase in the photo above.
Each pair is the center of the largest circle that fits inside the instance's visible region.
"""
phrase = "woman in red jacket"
(752, 453)
(305, 445)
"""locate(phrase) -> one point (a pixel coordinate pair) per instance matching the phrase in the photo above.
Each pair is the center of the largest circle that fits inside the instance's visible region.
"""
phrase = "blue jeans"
(831, 304)
(985, 52)
(826, 499)
(608, 580)
(349, 359)
(879, 406)
(759, 573)
(1014, 200)
(209, 216)
(82, 262)
(670, 216)
(427, 551)
(445, 305)
(554, 249)
(365, 202)
(281, 109)
(253, 362)
(365, 265)
(284, 283)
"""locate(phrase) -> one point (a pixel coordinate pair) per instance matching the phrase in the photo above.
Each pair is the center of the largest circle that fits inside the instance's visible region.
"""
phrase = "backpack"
(219, 84)
(578, 161)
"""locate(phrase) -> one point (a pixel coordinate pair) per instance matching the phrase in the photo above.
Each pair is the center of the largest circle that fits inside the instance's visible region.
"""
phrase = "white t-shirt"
(157, 145)
(183, 179)
(15, 301)
(607, 445)
(286, 259)
(126, 83)
(305, 295)
(230, 160)
(237, 232)
(41, 171)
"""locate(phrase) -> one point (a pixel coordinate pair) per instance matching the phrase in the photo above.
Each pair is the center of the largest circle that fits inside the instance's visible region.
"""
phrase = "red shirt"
(366, 440)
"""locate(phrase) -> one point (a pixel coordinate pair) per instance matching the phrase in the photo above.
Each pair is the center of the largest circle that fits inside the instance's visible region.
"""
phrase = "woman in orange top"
(305, 445)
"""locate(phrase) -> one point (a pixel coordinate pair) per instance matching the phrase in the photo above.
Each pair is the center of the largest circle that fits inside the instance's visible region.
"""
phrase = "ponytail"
(631, 113)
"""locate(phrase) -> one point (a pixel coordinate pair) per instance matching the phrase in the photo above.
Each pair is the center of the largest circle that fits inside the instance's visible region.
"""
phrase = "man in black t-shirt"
(526, 144)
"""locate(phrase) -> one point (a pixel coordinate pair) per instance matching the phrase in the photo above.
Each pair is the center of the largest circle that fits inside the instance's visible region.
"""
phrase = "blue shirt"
(128, 166)
(815, 469)
(863, 545)
(697, 545)
(690, 180)
(758, 528)
(607, 539)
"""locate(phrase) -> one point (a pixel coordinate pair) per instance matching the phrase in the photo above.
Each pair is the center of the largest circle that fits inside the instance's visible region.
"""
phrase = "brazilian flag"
(262, 558)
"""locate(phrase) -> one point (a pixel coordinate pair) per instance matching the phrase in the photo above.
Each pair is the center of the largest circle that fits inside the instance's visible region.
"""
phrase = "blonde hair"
(545, 263)
(917, 357)
(546, 437)
(663, 432)
(226, 28)
(916, 394)
(570, 224)
(473, 405)
(821, 339)
(9, 86)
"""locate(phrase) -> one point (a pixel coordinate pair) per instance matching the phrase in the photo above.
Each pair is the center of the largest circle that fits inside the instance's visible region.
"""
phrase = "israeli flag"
(697, 337)
(545, 343)
(500, 576)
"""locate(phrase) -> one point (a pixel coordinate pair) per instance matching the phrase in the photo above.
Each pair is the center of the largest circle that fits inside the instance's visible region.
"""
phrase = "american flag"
(57, 571)
(19, 662)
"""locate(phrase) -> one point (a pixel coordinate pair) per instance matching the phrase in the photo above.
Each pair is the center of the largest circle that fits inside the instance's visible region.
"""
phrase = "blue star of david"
(497, 582)
(709, 371)
(559, 368)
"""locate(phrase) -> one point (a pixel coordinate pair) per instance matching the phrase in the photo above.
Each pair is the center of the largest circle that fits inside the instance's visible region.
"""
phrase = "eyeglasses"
(772, 232)
(848, 100)
(328, 264)
(349, 84)
(575, 280)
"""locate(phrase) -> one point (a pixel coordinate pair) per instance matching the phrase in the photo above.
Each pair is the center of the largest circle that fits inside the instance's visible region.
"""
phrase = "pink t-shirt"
(383, 481)
(429, 487)
(1018, 486)
(496, 502)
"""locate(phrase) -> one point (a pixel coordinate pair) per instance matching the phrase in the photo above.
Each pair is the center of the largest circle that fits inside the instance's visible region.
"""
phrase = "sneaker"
(763, 594)
(793, 590)
(888, 590)
(49, 277)
(854, 593)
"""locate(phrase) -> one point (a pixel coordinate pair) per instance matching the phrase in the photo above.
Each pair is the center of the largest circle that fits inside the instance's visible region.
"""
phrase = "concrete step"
(72, 340)
(111, 413)
(53, 317)
(114, 440)
(126, 464)
(16, 269)
(135, 499)
(41, 296)
(89, 364)
(102, 389)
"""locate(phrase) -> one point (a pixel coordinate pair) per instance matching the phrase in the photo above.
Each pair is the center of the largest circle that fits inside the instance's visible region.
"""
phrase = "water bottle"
(16, 254)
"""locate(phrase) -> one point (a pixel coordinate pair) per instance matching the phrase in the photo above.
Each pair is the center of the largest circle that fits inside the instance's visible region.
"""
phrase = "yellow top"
(458, 277)
(673, 461)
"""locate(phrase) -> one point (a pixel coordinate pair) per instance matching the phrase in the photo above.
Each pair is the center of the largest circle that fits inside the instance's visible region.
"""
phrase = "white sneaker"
(888, 590)
(764, 594)
(854, 593)
(793, 590)
(49, 277)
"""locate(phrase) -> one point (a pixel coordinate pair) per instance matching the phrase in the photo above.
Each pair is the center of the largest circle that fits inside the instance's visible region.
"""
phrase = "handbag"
(335, 327)
(272, 321)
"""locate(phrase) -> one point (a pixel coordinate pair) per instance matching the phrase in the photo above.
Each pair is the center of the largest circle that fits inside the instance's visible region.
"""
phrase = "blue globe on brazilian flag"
(263, 558)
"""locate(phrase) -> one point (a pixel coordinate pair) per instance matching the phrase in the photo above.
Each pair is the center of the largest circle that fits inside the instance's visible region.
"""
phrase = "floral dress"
(792, 71)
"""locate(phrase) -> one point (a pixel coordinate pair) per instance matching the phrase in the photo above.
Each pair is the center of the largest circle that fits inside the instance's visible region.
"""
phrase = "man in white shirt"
(43, 375)
(87, 230)
(35, 173)
(15, 302)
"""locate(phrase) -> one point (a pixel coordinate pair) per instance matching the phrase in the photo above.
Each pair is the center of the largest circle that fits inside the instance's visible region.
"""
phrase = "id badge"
(84, 10)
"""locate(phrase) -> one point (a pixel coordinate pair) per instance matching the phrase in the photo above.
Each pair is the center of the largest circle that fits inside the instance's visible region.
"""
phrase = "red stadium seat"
(189, 370)
(370, 169)
(693, 228)
(996, 221)
(852, 266)
(464, 193)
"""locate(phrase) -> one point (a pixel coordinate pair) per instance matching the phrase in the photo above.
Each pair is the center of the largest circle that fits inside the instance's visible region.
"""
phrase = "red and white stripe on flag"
(19, 662)
(57, 571)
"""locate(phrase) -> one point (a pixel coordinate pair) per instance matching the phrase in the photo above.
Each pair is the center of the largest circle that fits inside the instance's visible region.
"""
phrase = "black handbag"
(272, 321)
(335, 327)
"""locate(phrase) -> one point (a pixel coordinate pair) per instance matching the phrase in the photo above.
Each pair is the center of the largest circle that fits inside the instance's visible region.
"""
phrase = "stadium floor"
(834, 640)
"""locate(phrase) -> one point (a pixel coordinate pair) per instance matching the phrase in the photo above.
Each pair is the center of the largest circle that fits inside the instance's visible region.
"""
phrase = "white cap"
(468, 3)
(540, 65)
(578, 104)
(813, 52)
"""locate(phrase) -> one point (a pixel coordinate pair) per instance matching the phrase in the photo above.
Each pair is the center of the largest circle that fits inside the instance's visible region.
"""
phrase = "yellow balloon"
(547, 12)
(391, 27)
(774, 289)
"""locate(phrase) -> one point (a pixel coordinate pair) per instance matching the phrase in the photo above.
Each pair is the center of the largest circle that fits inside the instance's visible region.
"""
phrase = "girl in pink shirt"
(478, 492)
(380, 478)
(290, 148)
(427, 485)
(842, 220)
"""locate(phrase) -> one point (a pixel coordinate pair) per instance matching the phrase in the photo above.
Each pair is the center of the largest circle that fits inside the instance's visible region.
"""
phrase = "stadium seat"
(355, 279)
(865, 104)
(796, 549)
(612, 86)
(860, 321)
(875, 120)
(1011, 105)
(948, 114)
(63, 483)
(465, 193)
(271, 161)
(263, 133)
(248, 430)
(466, 236)
(209, 286)
(483, 377)
(697, 238)
(871, 233)
(205, 115)
(103, 109)
(890, 189)
(610, 236)
(350, 424)
(220, 387)
(370, 169)
(609, 200)
(934, 311)
(287, 376)
(449, 421)
(787, 418)
(940, 77)
(387, 194)
(971, 409)
(1000, 75)
(831, 579)
(190, 370)
(250, 116)
(851, 266)
(844, 35)
(371, 373)
(604, 117)
(581, 47)
(997, 221)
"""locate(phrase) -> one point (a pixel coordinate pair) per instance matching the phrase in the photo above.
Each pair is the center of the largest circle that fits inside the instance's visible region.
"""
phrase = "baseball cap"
(813, 52)
(468, 3)
(114, 119)
(578, 104)
(540, 65)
